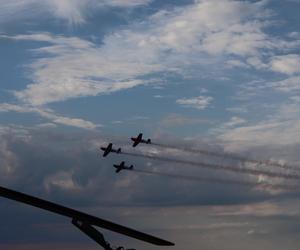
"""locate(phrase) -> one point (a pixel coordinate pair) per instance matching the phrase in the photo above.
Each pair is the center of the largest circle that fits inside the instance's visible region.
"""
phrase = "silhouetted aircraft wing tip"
(166, 243)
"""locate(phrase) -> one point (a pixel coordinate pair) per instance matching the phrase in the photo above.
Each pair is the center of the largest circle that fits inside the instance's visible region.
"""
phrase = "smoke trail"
(230, 156)
(217, 180)
(218, 167)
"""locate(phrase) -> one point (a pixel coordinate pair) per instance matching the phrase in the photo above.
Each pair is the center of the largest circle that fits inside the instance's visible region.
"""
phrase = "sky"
(218, 75)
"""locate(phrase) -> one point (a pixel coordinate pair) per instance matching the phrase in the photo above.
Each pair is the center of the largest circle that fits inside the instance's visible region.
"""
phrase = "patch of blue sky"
(21, 119)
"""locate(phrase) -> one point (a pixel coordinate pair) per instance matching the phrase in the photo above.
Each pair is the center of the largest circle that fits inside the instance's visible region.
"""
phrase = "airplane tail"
(119, 150)
(131, 167)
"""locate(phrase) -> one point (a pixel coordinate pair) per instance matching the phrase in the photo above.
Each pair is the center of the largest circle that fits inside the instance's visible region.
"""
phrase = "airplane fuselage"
(110, 149)
(122, 166)
(139, 139)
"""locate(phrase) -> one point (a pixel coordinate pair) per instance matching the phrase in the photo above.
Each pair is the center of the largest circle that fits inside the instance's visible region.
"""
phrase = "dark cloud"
(66, 167)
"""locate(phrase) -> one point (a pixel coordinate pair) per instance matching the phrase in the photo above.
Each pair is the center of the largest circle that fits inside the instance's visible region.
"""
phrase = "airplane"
(109, 149)
(139, 139)
(122, 166)
(84, 222)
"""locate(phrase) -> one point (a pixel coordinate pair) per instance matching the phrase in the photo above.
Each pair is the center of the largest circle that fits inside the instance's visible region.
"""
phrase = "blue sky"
(83, 71)
(218, 61)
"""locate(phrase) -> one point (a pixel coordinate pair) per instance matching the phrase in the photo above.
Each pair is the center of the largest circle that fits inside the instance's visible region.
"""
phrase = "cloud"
(66, 168)
(88, 70)
(286, 64)
(200, 102)
(74, 12)
(177, 120)
(125, 3)
(289, 85)
(234, 121)
(193, 38)
(50, 115)
(66, 164)
(62, 180)
(279, 129)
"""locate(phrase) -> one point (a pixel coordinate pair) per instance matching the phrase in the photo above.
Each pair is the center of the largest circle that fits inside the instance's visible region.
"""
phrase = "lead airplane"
(122, 166)
(110, 149)
(83, 221)
(139, 139)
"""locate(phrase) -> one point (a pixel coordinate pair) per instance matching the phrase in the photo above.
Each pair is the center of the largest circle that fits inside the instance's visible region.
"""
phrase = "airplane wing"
(107, 150)
(140, 136)
(74, 214)
(137, 140)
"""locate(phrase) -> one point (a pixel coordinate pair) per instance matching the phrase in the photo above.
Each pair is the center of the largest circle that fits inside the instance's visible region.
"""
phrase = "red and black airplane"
(139, 139)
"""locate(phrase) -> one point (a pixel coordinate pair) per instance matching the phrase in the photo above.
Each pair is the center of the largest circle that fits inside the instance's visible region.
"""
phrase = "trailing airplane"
(110, 149)
(83, 221)
(122, 166)
(139, 139)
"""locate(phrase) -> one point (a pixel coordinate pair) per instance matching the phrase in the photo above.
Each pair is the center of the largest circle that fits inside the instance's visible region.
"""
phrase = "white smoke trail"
(230, 156)
(219, 167)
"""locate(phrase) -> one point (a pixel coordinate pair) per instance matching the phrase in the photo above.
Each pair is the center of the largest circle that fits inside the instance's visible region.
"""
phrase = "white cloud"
(286, 64)
(71, 11)
(290, 84)
(200, 102)
(235, 121)
(8, 160)
(76, 68)
(62, 180)
(196, 36)
(282, 128)
(50, 115)
(295, 98)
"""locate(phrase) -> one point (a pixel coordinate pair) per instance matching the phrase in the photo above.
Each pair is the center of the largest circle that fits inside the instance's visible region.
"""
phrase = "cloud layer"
(204, 34)
(74, 12)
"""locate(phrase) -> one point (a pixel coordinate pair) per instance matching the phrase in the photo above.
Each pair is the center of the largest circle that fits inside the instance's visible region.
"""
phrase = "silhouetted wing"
(136, 142)
(74, 214)
(140, 136)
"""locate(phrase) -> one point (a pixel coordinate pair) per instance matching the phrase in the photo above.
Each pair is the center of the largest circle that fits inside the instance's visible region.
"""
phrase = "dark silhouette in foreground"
(109, 149)
(95, 235)
(83, 221)
(139, 139)
(122, 166)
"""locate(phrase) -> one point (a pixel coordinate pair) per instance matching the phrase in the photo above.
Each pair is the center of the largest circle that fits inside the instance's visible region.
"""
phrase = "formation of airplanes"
(109, 149)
